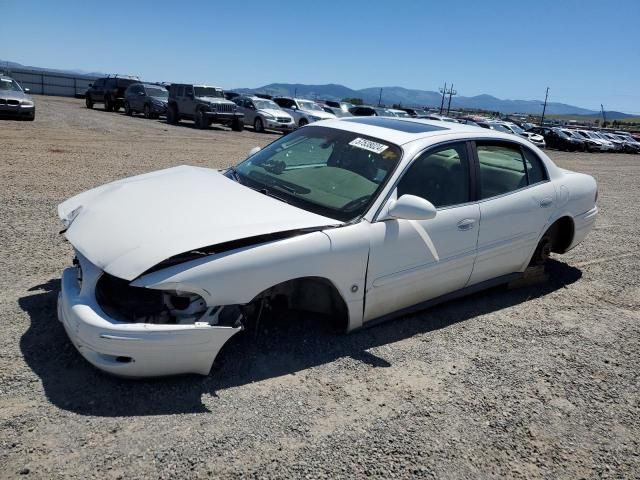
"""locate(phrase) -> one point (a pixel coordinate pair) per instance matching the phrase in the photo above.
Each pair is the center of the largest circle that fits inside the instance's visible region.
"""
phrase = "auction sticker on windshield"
(370, 145)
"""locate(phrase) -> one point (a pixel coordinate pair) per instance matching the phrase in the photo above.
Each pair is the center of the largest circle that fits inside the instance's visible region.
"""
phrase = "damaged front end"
(141, 332)
(127, 303)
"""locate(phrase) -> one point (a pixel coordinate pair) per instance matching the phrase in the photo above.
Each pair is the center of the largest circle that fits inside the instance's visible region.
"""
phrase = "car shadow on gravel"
(281, 346)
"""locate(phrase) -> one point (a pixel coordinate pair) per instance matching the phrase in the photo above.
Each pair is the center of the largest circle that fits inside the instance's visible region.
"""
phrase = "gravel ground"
(537, 382)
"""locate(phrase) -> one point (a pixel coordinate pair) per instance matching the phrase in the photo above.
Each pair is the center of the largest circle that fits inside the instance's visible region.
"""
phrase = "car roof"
(401, 130)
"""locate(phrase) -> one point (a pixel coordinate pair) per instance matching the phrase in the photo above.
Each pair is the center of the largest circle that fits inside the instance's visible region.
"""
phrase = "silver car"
(15, 101)
(263, 114)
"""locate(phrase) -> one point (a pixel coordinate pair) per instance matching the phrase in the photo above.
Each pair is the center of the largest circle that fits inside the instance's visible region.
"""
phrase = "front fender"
(238, 276)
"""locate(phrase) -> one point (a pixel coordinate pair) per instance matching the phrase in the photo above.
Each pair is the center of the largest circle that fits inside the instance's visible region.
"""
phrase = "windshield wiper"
(266, 192)
(236, 175)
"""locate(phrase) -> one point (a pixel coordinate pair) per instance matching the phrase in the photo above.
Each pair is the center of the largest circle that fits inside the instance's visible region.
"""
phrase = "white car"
(263, 114)
(303, 111)
(398, 113)
(597, 143)
(535, 138)
(363, 218)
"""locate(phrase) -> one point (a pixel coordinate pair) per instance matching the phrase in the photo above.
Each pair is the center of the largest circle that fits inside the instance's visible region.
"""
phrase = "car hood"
(318, 113)
(160, 99)
(128, 226)
(216, 100)
(14, 95)
(274, 112)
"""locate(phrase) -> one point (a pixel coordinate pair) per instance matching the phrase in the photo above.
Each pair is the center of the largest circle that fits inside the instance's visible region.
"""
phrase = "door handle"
(466, 224)
(546, 202)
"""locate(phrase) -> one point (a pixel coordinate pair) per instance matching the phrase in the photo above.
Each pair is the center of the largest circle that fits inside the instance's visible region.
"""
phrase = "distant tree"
(355, 101)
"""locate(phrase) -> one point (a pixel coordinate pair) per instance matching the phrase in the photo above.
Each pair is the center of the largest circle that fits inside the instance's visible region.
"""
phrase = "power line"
(451, 92)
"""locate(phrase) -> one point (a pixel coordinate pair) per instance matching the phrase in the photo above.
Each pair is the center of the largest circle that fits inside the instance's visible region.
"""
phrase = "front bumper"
(282, 127)
(133, 349)
(159, 109)
(17, 110)
(224, 117)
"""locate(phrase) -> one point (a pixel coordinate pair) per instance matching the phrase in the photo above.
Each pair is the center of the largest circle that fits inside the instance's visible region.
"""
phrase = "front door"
(413, 261)
(516, 203)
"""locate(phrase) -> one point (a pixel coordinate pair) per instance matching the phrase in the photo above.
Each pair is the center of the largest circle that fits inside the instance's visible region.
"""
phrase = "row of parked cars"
(205, 105)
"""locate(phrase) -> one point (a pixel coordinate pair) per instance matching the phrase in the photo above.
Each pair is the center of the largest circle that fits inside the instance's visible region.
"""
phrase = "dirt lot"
(539, 382)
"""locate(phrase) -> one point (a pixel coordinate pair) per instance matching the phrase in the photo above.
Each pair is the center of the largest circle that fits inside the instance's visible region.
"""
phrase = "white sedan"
(363, 218)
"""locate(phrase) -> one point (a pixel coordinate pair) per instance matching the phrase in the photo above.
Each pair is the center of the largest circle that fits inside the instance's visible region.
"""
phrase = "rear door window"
(536, 172)
(502, 168)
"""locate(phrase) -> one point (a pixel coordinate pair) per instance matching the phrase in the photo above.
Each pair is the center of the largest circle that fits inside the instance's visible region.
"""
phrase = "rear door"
(97, 90)
(187, 102)
(516, 202)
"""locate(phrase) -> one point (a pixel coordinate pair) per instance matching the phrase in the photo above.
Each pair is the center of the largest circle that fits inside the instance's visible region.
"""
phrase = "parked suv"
(146, 98)
(264, 114)
(204, 105)
(110, 91)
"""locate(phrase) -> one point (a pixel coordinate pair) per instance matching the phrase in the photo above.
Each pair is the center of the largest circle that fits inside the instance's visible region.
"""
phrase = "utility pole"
(380, 98)
(443, 91)
(451, 93)
(604, 118)
(544, 107)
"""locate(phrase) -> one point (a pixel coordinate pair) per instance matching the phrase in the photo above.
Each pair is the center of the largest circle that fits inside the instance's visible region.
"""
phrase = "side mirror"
(410, 207)
(253, 151)
(293, 107)
(27, 90)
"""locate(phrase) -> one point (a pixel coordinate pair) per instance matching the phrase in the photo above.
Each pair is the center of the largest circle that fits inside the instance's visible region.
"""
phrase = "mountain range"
(424, 98)
(390, 96)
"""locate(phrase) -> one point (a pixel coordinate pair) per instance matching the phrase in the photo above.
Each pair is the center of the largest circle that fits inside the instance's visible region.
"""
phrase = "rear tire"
(258, 126)
(88, 102)
(127, 109)
(108, 104)
(542, 252)
(147, 111)
(303, 122)
(116, 107)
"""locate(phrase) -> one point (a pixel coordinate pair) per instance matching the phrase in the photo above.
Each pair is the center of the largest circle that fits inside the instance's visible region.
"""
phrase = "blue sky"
(587, 52)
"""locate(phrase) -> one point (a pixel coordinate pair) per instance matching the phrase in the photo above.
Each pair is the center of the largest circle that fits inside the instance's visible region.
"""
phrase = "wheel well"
(561, 233)
(310, 294)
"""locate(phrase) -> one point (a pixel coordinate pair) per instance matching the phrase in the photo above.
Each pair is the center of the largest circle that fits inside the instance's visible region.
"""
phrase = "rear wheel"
(258, 125)
(127, 109)
(303, 122)
(88, 102)
(108, 104)
(543, 250)
(147, 111)
(116, 106)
